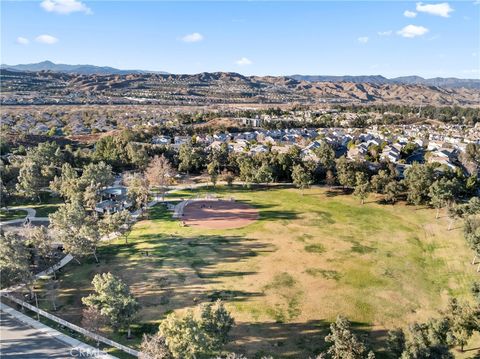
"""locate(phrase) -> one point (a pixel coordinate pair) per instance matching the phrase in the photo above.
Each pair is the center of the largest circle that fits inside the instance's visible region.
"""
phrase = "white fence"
(74, 327)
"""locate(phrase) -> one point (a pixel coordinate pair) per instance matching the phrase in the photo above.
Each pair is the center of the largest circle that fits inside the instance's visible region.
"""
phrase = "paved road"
(19, 341)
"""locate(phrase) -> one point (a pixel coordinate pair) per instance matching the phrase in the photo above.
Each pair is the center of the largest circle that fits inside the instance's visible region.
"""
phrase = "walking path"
(30, 214)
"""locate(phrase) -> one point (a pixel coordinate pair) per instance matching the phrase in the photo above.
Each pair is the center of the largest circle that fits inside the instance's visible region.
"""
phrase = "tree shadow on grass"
(338, 191)
(293, 340)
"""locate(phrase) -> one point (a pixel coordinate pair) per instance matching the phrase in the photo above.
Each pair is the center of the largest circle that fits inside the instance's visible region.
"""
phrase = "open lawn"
(284, 277)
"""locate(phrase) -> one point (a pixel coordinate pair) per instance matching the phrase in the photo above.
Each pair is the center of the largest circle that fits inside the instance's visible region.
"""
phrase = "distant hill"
(47, 87)
(75, 69)
(450, 82)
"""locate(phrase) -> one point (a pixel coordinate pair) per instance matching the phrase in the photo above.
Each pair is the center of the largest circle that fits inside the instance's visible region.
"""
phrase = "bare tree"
(160, 173)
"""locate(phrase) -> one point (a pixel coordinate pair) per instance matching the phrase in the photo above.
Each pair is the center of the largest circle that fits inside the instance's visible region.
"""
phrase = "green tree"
(114, 223)
(113, 299)
(442, 192)
(392, 191)
(423, 344)
(462, 323)
(44, 244)
(471, 232)
(137, 189)
(264, 174)
(301, 177)
(380, 181)
(396, 343)
(345, 172)
(38, 168)
(190, 158)
(14, 260)
(326, 156)
(418, 180)
(228, 177)
(197, 333)
(345, 344)
(213, 171)
(362, 186)
(78, 229)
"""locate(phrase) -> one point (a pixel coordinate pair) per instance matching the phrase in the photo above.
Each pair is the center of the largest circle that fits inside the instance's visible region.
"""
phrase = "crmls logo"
(86, 353)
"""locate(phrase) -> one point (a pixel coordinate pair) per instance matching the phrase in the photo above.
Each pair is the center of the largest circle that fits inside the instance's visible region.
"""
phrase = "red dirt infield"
(218, 214)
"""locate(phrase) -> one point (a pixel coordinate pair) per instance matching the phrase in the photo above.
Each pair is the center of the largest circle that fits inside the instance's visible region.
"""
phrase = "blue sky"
(262, 38)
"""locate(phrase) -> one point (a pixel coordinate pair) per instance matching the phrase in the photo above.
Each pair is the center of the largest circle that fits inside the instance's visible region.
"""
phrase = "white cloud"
(22, 40)
(363, 39)
(193, 37)
(244, 62)
(410, 14)
(385, 33)
(65, 7)
(411, 31)
(46, 39)
(441, 9)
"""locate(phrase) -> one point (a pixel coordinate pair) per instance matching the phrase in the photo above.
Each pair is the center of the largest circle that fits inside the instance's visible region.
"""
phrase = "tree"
(396, 343)
(197, 333)
(362, 186)
(137, 189)
(217, 322)
(380, 181)
(345, 172)
(14, 260)
(160, 173)
(476, 291)
(30, 181)
(78, 229)
(190, 158)
(38, 168)
(93, 320)
(462, 322)
(264, 174)
(154, 347)
(345, 344)
(392, 191)
(330, 178)
(212, 170)
(44, 244)
(418, 179)
(247, 169)
(301, 177)
(471, 232)
(228, 177)
(115, 222)
(422, 343)
(326, 155)
(113, 299)
(68, 184)
(98, 173)
(442, 192)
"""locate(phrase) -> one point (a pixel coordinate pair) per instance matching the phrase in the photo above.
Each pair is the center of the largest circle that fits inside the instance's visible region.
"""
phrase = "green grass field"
(307, 259)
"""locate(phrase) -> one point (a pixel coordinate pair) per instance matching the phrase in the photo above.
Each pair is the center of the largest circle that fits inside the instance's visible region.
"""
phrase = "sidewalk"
(76, 347)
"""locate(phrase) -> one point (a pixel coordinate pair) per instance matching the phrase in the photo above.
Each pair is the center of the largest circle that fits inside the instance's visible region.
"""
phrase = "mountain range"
(450, 82)
(75, 69)
(48, 87)
(446, 82)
